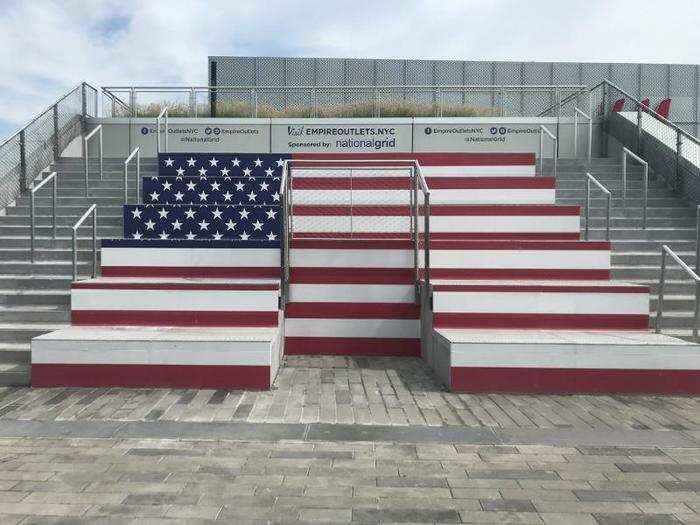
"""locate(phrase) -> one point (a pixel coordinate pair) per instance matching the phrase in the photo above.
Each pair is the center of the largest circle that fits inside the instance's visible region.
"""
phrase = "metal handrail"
(590, 178)
(136, 153)
(91, 210)
(285, 197)
(544, 131)
(421, 183)
(588, 117)
(52, 177)
(697, 239)
(665, 250)
(98, 131)
(627, 153)
(164, 112)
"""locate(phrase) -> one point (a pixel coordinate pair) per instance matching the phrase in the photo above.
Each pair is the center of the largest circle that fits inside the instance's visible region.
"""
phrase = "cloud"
(50, 46)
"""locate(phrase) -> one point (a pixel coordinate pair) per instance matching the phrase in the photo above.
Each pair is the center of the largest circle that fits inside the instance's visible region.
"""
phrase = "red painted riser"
(523, 236)
(574, 381)
(518, 273)
(191, 271)
(352, 346)
(232, 377)
(541, 321)
(172, 318)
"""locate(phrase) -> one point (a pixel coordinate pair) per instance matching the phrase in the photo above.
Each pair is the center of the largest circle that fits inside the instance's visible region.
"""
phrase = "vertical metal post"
(696, 317)
(426, 241)
(646, 196)
(575, 134)
(31, 226)
(624, 179)
(679, 153)
(607, 217)
(54, 182)
(415, 223)
(639, 129)
(56, 147)
(126, 183)
(85, 159)
(75, 254)
(132, 102)
(697, 240)
(101, 150)
(22, 161)
(138, 176)
(556, 144)
(588, 206)
(604, 123)
(590, 137)
(94, 242)
(556, 156)
(660, 300)
(541, 151)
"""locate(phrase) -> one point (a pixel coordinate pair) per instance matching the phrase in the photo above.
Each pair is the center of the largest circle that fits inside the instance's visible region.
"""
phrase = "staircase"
(636, 256)
(35, 298)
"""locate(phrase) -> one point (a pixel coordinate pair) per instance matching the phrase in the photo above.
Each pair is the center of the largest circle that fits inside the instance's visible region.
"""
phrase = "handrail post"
(91, 210)
(101, 151)
(31, 226)
(624, 179)
(646, 196)
(426, 240)
(56, 147)
(575, 134)
(588, 205)
(136, 151)
(541, 152)
(697, 239)
(94, 243)
(660, 300)
(679, 148)
(696, 317)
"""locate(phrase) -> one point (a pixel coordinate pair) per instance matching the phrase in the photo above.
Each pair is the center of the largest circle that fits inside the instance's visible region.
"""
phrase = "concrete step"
(34, 314)
(61, 220)
(103, 231)
(652, 246)
(30, 282)
(12, 297)
(647, 258)
(14, 374)
(76, 210)
(636, 222)
(674, 319)
(15, 353)
(633, 273)
(650, 234)
(113, 200)
(577, 199)
(46, 255)
(45, 268)
(24, 332)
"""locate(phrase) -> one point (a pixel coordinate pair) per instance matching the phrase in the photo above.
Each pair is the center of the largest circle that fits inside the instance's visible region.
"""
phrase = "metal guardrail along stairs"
(636, 255)
(35, 298)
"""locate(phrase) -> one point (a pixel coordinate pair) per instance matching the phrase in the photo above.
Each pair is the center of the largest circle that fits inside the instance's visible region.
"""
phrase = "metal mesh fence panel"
(10, 171)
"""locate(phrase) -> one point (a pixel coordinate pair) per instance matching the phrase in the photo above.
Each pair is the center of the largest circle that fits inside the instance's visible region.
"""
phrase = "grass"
(387, 108)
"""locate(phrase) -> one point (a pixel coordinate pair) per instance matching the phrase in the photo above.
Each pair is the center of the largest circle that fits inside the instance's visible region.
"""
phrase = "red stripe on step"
(93, 285)
(546, 321)
(352, 275)
(233, 377)
(432, 159)
(192, 271)
(356, 346)
(172, 318)
(538, 288)
(554, 236)
(544, 210)
(351, 244)
(574, 381)
(312, 310)
(518, 273)
(519, 245)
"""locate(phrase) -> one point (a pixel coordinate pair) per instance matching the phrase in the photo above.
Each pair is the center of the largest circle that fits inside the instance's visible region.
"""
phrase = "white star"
(218, 236)
(244, 213)
(247, 172)
(190, 213)
(271, 214)
(239, 186)
(179, 195)
(258, 162)
(224, 172)
(217, 213)
(215, 186)
(264, 186)
(191, 186)
(190, 236)
(257, 225)
(191, 161)
(227, 196)
(230, 225)
(275, 196)
(203, 196)
(155, 177)
(280, 162)
(214, 161)
(164, 235)
(163, 213)
(166, 185)
(137, 235)
(136, 213)
(150, 224)
(236, 162)
(271, 236)
(168, 162)
(202, 171)
(180, 172)
(244, 236)
(154, 196)
(203, 225)
(251, 196)
(176, 225)
(269, 172)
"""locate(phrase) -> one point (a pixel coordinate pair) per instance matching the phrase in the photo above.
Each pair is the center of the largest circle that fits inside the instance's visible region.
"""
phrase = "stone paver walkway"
(378, 391)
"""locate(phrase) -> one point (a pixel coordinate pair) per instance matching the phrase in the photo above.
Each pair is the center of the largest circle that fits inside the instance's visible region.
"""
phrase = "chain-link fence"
(24, 155)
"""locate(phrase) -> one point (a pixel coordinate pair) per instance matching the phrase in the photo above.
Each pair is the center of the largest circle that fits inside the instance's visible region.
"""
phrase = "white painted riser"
(355, 328)
(340, 197)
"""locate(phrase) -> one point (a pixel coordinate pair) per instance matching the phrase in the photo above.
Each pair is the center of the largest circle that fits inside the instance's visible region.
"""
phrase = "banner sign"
(357, 137)
(214, 137)
(487, 137)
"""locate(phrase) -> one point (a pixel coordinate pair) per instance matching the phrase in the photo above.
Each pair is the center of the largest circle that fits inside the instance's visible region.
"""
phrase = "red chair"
(664, 108)
(618, 105)
(645, 103)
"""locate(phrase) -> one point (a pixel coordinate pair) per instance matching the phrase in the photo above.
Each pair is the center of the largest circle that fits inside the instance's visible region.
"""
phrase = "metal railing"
(162, 115)
(91, 210)
(325, 101)
(544, 131)
(665, 250)
(697, 239)
(420, 184)
(136, 152)
(590, 178)
(32, 218)
(86, 154)
(589, 118)
(286, 203)
(645, 189)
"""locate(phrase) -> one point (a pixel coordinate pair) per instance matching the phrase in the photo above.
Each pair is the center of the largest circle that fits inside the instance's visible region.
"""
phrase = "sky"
(48, 47)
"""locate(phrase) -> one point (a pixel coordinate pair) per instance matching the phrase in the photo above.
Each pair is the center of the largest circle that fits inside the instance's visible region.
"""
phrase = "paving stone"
(313, 454)
(612, 495)
(619, 451)
(159, 498)
(411, 482)
(513, 474)
(404, 515)
(507, 505)
(636, 519)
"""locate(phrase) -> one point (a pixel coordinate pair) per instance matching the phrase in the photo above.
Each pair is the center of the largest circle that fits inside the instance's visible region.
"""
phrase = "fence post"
(679, 153)
(639, 130)
(22, 161)
(56, 146)
(604, 123)
(83, 123)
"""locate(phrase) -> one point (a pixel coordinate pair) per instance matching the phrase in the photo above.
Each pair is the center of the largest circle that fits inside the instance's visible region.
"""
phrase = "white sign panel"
(356, 137)
(205, 137)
